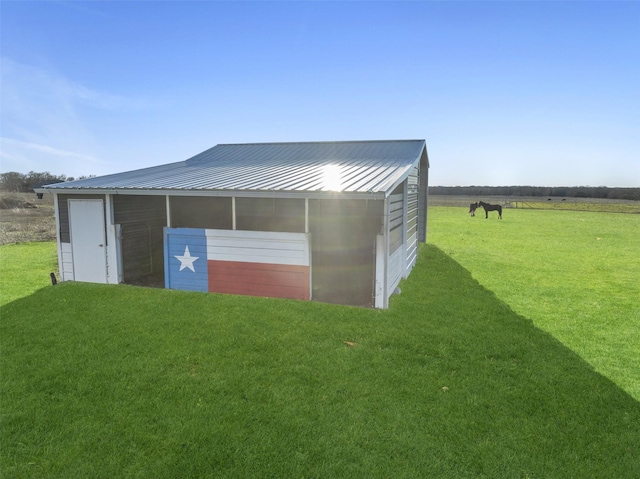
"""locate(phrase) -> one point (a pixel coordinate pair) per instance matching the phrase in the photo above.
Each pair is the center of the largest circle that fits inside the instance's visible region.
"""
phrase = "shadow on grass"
(518, 382)
(449, 382)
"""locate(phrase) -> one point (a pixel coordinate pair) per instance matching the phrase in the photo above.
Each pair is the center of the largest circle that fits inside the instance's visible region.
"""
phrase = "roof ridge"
(326, 142)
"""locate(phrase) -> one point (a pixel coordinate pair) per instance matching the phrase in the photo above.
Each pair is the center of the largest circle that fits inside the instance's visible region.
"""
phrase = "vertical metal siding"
(423, 198)
(396, 219)
(413, 182)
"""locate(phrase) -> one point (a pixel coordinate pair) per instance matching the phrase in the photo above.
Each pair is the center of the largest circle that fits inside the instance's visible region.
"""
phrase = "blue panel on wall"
(185, 257)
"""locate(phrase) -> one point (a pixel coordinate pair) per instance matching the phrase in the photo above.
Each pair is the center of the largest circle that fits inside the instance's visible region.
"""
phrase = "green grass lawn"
(25, 268)
(575, 274)
(593, 206)
(456, 379)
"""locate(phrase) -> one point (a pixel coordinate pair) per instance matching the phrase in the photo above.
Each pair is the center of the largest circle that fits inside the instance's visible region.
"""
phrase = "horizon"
(503, 93)
(429, 186)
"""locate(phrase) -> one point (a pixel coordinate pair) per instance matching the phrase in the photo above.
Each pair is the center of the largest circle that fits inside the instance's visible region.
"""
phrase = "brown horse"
(472, 208)
(487, 207)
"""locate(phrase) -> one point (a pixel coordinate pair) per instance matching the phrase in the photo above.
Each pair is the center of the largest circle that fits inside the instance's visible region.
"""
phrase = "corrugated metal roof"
(352, 166)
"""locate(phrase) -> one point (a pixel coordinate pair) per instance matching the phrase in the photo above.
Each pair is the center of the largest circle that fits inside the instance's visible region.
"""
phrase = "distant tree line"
(562, 191)
(26, 182)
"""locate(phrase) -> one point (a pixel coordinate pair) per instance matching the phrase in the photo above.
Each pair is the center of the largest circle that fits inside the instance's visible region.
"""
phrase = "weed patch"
(23, 218)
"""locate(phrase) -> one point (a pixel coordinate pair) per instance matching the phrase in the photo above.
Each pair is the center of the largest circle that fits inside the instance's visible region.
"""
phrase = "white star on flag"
(186, 260)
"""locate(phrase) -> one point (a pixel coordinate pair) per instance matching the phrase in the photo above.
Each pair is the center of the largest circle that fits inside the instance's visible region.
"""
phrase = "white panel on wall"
(412, 253)
(258, 247)
(379, 284)
(395, 270)
(66, 266)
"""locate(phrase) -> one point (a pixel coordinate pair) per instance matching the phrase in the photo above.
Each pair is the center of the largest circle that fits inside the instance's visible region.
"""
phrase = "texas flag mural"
(256, 263)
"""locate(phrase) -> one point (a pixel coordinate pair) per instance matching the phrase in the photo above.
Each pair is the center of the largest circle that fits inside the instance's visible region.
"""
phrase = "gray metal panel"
(324, 167)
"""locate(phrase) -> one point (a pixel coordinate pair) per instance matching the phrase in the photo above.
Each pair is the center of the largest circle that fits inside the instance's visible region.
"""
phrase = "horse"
(472, 208)
(487, 207)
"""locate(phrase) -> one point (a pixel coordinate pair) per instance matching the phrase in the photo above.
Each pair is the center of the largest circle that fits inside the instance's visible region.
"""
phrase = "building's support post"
(385, 241)
(405, 219)
(306, 215)
(380, 273)
(114, 275)
(168, 202)
(423, 199)
(233, 212)
(59, 244)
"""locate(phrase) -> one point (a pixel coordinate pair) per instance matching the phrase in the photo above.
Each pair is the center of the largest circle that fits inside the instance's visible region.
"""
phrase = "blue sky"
(504, 93)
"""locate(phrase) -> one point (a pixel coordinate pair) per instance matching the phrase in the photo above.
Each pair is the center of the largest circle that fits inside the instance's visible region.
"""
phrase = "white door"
(86, 226)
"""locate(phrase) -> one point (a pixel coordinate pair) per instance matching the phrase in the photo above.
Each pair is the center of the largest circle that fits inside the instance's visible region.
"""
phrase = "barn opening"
(270, 214)
(141, 219)
(211, 212)
(343, 248)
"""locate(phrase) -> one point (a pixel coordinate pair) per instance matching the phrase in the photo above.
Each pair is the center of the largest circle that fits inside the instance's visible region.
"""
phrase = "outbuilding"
(335, 222)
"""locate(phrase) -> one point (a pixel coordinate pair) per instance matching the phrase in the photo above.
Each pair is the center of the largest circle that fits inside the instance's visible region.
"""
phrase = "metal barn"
(336, 222)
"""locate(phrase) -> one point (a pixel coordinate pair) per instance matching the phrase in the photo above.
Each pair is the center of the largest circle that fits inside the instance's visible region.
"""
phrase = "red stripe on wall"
(259, 279)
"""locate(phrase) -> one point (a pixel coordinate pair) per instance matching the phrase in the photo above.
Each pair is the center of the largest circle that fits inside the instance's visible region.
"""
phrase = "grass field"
(536, 202)
(25, 268)
(598, 207)
(574, 274)
(511, 352)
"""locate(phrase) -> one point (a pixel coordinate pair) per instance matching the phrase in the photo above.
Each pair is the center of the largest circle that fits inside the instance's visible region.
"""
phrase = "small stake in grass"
(54, 281)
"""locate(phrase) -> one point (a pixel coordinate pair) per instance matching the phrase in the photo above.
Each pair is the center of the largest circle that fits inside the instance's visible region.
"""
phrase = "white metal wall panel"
(395, 270)
(66, 262)
(412, 253)
(379, 296)
(258, 247)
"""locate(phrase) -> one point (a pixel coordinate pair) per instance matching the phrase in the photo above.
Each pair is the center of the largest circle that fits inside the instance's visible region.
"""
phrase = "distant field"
(607, 206)
(24, 218)
(556, 203)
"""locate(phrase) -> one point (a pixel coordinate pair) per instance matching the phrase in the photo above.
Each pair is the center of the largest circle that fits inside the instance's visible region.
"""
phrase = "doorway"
(88, 242)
